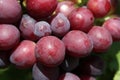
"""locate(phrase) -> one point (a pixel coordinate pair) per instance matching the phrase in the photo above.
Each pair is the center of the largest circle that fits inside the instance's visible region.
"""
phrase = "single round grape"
(100, 8)
(81, 19)
(113, 26)
(10, 11)
(42, 28)
(27, 26)
(24, 56)
(41, 8)
(60, 25)
(77, 43)
(102, 40)
(65, 7)
(9, 36)
(50, 51)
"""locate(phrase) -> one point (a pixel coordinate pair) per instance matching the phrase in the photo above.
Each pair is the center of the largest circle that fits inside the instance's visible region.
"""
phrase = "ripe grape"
(10, 11)
(60, 25)
(42, 28)
(102, 40)
(9, 36)
(77, 43)
(27, 26)
(23, 56)
(81, 19)
(50, 51)
(40, 8)
(65, 7)
(113, 26)
(100, 8)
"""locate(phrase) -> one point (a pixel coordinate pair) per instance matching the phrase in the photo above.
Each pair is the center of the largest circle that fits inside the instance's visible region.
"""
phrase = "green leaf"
(117, 75)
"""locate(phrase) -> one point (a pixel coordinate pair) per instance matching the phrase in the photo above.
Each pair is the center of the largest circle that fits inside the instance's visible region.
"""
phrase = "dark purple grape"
(77, 43)
(9, 36)
(100, 8)
(81, 19)
(91, 65)
(4, 59)
(70, 63)
(10, 11)
(50, 51)
(24, 56)
(42, 28)
(60, 25)
(69, 76)
(27, 26)
(87, 77)
(113, 26)
(102, 40)
(40, 72)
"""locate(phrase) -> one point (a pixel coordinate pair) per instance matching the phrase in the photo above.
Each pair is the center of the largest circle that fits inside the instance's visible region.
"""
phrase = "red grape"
(77, 43)
(50, 51)
(60, 25)
(100, 8)
(23, 56)
(10, 11)
(101, 38)
(27, 26)
(113, 26)
(81, 19)
(9, 36)
(65, 7)
(41, 8)
(42, 28)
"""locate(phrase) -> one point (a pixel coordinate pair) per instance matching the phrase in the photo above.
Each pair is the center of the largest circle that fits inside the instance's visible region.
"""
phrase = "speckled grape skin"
(10, 11)
(81, 19)
(50, 51)
(77, 43)
(9, 36)
(100, 8)
(113, 26)
(41, 8)
(24, 56)
(102, 40)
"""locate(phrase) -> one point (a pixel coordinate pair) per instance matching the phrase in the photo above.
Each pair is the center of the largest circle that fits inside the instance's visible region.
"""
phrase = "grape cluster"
(57, 39)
